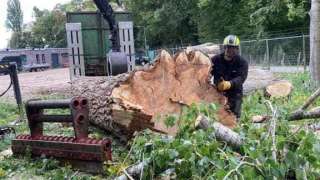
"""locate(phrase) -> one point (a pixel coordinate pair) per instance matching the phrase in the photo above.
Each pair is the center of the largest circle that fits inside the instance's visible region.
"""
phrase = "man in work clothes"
(229, 71)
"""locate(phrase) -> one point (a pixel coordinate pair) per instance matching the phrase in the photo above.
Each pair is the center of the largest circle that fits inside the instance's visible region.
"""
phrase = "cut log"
(258, 79)
(279, 89)
(260, 118)
(142, 99)
(209, 49)
(221, 132)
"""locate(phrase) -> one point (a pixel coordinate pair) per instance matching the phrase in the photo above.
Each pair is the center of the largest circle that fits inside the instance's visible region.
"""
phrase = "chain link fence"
(293, 51)
(282, 54)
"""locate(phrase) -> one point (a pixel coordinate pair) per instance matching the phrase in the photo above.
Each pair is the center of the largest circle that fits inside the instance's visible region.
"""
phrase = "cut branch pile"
(131, 102)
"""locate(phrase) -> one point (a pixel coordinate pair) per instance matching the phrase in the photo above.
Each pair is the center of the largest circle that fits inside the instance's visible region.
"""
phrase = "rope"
(7, 88)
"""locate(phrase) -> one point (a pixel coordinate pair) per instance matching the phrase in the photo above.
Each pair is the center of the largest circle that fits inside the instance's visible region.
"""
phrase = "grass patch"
(179, 153)
(8, 112)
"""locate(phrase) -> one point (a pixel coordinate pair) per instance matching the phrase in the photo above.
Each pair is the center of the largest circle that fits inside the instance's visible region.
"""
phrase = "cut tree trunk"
(279, 89)
(142, 99)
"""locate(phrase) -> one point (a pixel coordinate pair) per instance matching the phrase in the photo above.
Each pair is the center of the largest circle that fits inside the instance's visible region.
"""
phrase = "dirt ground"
(57, 82)
(35, 84)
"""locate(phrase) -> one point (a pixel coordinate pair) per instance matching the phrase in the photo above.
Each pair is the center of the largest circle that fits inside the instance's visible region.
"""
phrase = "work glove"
(224, 85)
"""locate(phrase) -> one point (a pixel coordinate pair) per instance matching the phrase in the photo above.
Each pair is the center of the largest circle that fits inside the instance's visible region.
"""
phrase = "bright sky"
(26, 6)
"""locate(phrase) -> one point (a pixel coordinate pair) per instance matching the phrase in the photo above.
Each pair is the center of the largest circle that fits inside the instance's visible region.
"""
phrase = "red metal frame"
(75, 149)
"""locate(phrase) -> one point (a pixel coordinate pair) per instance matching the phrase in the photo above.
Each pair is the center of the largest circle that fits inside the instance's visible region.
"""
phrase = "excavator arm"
(107, 13)
(117, 62)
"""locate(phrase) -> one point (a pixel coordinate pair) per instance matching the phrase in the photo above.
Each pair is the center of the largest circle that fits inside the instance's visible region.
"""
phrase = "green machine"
(89, 36)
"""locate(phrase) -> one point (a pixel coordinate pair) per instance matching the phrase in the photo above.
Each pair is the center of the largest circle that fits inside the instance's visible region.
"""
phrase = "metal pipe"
(48, 104)
(54, 118)
(16, 87)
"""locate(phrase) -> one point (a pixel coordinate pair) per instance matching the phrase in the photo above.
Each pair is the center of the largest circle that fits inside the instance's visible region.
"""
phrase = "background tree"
(171, 23)
(275, 17)
(49, 30)
(315, 42)
(220, 18)
(167, 23)
(14, 22)
(77, 6)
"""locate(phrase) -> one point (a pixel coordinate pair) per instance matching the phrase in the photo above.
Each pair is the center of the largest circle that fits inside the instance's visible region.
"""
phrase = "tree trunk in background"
(131, 102)
(315, 42)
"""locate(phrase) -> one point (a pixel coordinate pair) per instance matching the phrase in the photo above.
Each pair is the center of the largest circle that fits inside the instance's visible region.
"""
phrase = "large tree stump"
(132, 102)
(279, 89)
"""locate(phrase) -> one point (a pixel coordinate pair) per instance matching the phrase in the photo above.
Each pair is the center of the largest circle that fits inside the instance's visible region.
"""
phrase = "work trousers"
(235, 102)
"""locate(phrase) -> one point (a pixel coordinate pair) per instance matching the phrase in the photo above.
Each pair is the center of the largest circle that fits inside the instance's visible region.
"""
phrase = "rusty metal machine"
(83, 153)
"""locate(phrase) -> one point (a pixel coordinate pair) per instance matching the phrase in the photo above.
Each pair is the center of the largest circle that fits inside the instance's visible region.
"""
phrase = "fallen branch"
(272, 130)
(239, 166)
(132, 171)
(128, 175)
(314, 127)
(221, 132)
(310, 100)
(300, 113)
(136, 170)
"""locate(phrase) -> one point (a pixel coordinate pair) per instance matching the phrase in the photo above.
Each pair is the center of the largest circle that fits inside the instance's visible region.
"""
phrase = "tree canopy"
(170, 23)
(14, 22)
(198, 21)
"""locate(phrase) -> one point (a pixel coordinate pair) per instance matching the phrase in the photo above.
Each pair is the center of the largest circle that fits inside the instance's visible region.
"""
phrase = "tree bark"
(221, 132)
(310, 100)
(134, 171)
(209, 49)
(142, 99)
(301, 113)
(315, 42)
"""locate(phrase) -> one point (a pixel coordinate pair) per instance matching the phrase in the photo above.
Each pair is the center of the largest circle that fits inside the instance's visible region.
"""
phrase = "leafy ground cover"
(196, 154)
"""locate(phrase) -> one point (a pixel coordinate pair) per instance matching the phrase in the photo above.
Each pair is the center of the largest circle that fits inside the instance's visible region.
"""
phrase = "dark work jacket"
(235, 71)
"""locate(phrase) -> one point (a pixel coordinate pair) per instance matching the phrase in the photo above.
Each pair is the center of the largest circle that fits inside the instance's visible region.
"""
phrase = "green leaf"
(170, 121)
